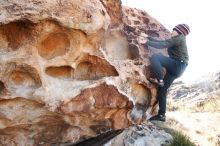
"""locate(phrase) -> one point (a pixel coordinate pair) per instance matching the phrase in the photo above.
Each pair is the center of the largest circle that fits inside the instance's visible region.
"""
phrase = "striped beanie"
(182, 29)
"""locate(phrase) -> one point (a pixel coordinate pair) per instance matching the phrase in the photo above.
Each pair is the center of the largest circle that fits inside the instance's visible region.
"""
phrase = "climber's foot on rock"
(157, 82)
(158, 118)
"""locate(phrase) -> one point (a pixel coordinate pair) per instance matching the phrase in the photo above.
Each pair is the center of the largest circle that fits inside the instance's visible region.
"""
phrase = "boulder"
(73, 69)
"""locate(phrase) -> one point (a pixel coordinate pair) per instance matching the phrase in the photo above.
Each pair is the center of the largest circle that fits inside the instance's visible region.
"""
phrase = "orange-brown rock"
(72, 69)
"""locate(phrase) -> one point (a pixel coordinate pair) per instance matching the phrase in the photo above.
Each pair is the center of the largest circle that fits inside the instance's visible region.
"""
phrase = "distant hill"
(202, 89)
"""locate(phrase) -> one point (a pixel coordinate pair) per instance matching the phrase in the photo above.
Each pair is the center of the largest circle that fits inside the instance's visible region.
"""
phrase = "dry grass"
(173, 127)
(180, 139)
(171, 106)
(211, 105)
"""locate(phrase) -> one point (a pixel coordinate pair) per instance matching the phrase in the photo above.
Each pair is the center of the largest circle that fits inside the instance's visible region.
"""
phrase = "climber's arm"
(154, 39)
(160, 44)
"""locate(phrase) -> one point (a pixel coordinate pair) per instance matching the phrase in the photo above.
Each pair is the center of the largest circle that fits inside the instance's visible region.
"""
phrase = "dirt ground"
(202, 128)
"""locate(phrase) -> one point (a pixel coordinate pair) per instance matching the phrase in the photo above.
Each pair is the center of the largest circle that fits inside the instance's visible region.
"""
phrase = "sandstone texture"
(72, 69)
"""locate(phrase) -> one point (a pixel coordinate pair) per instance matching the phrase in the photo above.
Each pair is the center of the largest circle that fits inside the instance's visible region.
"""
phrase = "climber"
(175, 64)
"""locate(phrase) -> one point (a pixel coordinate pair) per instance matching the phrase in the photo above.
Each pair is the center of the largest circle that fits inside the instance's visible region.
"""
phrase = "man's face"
(174, 33)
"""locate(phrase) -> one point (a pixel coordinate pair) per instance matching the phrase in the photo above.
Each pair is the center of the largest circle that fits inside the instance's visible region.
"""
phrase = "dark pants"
(174, 69)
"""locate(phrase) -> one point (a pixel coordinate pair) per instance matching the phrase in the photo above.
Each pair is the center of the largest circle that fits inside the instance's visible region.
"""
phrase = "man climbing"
(175, 64)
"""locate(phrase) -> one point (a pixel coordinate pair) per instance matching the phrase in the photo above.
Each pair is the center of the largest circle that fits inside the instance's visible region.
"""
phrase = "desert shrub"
(180, 139)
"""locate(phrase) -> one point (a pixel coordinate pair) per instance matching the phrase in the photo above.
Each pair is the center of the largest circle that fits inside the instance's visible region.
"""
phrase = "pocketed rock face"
(71, 70)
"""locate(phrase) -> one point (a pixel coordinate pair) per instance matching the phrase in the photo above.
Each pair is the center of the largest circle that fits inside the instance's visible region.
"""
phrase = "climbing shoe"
(157, 82)
(158, 118)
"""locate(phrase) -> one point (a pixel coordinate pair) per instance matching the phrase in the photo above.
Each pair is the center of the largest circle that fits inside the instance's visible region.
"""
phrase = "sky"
(203, 18)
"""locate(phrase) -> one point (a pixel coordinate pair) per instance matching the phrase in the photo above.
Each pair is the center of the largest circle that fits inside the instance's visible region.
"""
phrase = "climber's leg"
(159, 61)
(162, 91)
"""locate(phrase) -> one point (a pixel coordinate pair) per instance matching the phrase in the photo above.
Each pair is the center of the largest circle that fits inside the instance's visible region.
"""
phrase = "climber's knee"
(155, 57)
